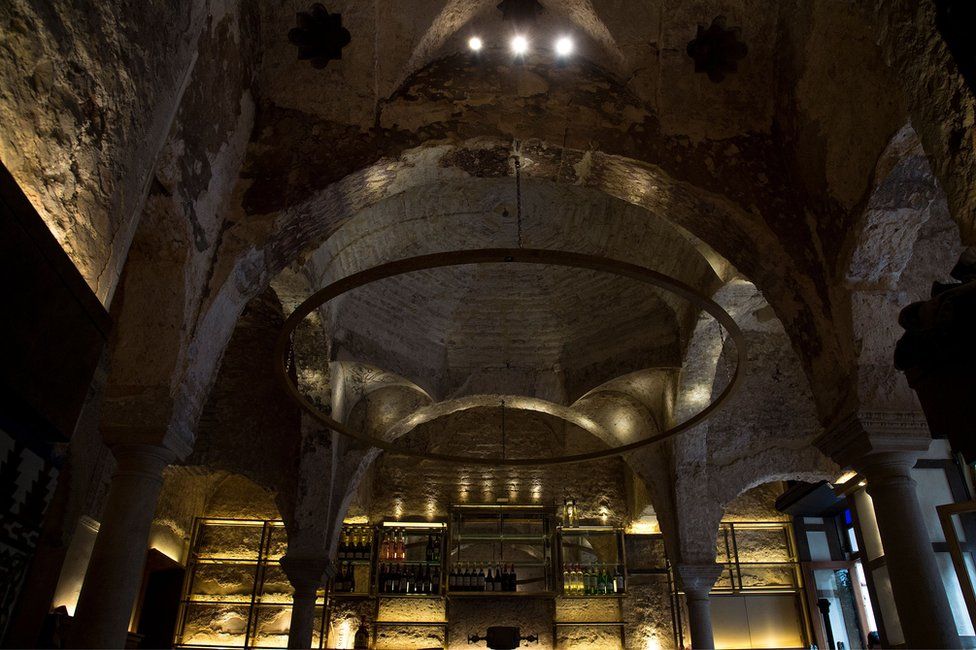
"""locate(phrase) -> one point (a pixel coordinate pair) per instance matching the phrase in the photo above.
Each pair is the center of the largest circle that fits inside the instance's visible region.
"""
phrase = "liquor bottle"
(369, 544)
(618, 580)
(357, 547)
(429, 553)
(361, 640)
(567, 587)
(350, 578)
(435, 580)
(481, 579)
(402, 547)
(578, 580)
(512, 579)
(489, 581)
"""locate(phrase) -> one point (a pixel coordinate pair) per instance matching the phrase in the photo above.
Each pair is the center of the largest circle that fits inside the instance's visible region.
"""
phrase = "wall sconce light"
(569, 513)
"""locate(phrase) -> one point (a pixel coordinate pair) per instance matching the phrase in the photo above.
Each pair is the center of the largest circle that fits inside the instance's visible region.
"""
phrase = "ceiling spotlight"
(475, 44)
(564, 46)
(520, 45)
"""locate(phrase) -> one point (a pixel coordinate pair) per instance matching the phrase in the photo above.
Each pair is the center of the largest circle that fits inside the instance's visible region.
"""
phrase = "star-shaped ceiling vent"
(717, 50)
(520, 11)
(319, 36)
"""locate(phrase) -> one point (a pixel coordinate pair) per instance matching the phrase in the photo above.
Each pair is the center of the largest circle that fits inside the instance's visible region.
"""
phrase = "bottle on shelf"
(498, 584)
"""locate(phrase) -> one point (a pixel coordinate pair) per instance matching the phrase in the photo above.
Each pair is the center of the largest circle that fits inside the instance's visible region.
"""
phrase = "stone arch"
(904, 240)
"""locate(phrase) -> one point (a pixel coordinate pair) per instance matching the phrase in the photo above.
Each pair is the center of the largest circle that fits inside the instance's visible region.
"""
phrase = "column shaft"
(115, 571)
(700, 620)
(302, 618)
(919, 593)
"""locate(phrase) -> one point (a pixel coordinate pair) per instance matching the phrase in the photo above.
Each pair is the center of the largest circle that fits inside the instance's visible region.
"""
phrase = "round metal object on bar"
(507, 256)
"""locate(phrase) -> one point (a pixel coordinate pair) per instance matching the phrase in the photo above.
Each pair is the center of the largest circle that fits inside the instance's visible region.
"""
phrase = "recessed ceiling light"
(475, 44)
(564, 46)
(520, 45)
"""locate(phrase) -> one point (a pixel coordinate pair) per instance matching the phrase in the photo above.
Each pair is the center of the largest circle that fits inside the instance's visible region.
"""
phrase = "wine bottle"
(351, 579)
(498, 586)
(514, 579)
(435, 580)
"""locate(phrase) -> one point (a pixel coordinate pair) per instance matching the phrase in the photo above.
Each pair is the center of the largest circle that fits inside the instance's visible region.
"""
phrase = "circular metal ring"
(518, 256)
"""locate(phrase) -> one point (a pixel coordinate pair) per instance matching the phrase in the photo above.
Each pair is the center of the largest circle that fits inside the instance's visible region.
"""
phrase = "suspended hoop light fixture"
(505, 256)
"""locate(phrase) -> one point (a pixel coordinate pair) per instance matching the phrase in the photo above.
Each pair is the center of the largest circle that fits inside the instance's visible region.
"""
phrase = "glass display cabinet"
(354, 562)
(501, 551)
(592, 562)
(409, 559)
(235, 593)
(758, 557)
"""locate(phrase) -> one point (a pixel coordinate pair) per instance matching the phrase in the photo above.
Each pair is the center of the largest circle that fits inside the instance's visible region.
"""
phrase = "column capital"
(697, 580)
(140, 459)
(894, 434)
(308, 572)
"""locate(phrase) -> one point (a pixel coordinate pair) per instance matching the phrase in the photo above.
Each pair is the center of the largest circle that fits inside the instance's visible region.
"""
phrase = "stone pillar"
(696, 581)
(115, 571)
(883, 447)
(306, 575)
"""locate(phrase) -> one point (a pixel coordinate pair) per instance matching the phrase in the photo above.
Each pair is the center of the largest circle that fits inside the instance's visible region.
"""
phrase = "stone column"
(115, 570)
(883, 447)
(306, 575)
(696, 581)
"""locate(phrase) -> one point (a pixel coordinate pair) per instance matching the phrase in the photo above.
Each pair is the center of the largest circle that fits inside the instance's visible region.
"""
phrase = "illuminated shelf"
(493, 563)
(438, 596)
(501, 594)
(355, 562)
(408, 562)
(593, 596)
(412, 623)
(500, 537)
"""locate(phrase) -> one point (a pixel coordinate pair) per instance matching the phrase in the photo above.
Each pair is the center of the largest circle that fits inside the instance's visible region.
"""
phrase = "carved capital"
(307, 574)
(697, 580)
(871, 433)
(146, 461)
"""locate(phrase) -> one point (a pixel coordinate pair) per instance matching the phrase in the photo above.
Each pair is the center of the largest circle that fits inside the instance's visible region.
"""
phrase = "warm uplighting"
(646, 525)
(564, 46)
(845, 477)
(358, 520)
(520, 45)
(414, 524)
(475, 44)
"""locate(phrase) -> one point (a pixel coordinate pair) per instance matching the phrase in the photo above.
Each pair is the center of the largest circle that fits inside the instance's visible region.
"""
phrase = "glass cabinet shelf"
(501, 551)
(592, 562)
